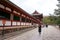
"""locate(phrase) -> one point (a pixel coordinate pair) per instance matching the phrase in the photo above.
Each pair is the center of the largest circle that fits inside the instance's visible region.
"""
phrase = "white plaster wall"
(8, 23)
(18, 23)
(21, 23)
(14, 23)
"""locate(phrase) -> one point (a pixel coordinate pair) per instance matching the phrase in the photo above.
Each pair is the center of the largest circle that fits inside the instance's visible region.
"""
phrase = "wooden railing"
(16, 26)
(14, 23)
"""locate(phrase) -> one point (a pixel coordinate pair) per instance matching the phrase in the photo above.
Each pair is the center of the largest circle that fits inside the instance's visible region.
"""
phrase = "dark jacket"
(39, 28)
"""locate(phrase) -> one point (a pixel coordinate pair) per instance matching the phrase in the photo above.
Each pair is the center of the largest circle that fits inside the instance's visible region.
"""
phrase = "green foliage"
(57, 13)
(49, 19)
(58, 20)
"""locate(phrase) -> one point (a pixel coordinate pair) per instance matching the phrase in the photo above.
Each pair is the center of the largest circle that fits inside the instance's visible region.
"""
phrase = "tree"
(57, 13)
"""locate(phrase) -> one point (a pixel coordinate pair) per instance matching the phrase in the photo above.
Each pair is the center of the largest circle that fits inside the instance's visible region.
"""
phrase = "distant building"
(37, 15)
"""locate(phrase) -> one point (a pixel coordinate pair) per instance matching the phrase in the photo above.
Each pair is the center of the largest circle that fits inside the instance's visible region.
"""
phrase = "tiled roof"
(35, 12)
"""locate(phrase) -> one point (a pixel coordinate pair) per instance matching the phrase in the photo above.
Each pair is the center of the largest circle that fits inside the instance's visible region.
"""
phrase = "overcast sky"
(42, 6)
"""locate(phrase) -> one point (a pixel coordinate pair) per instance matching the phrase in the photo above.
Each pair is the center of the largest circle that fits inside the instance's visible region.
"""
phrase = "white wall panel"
(14, 23)
(8, 23)
(18, 23)
(21, 23)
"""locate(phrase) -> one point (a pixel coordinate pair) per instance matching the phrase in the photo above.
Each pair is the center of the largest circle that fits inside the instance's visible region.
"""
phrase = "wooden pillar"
(11, 18)
(25, 21)
(16, 23)
(29, 21)
(20, 20)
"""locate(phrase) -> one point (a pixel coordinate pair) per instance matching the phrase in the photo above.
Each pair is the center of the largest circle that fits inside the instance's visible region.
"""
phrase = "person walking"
(46, 25)
(39, 29)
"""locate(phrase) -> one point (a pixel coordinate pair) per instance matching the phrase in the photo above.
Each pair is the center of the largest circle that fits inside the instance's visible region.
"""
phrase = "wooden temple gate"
(14, 18)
